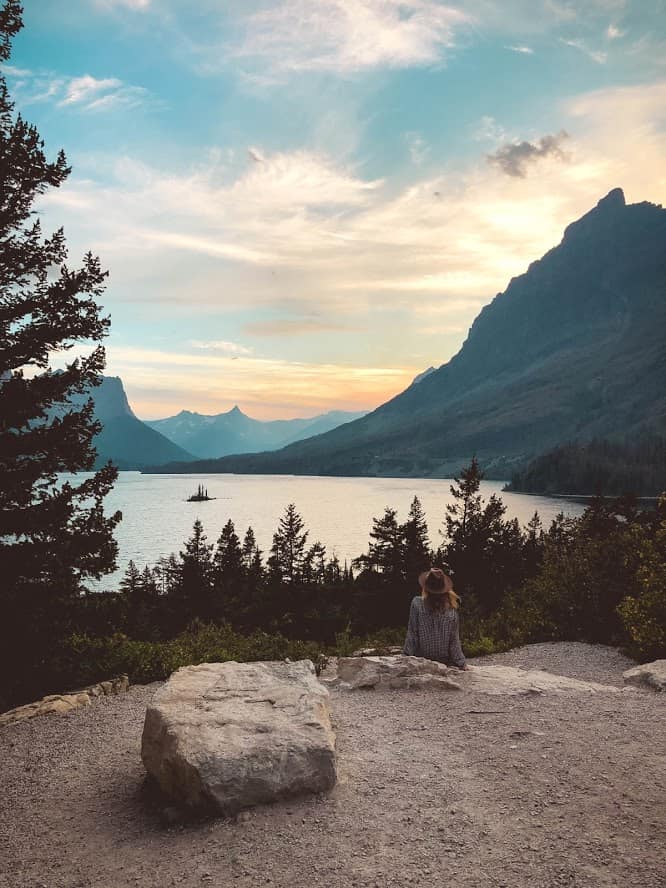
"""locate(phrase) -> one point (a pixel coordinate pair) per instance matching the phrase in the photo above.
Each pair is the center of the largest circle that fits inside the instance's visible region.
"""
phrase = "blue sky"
(304, 203)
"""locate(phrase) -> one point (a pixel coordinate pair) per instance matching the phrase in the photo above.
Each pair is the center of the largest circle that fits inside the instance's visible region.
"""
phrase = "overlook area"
(434, 788)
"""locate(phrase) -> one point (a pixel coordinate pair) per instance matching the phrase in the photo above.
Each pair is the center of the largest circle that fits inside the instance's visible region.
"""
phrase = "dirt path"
(436, 788)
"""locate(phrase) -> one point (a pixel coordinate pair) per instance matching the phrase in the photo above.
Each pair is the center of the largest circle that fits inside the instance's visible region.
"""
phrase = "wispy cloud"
(418, 148)
(523, 50)
(293, 326)
(221, 345)
(489, 130)
(345, 36)
(614, 33)
(515, 158)
(127, 4)
(86, 93)
(597, 55)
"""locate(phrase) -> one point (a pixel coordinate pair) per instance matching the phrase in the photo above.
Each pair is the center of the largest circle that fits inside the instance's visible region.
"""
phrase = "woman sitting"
(433, 621)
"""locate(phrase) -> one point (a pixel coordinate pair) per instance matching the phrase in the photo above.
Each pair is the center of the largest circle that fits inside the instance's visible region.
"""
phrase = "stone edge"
(63, 703)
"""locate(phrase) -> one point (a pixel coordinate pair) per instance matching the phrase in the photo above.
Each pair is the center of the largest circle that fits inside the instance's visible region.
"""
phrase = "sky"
(304, 203)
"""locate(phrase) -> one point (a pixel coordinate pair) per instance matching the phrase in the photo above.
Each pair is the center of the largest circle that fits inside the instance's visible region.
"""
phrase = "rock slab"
(398, 671)
(60, 704)
(651, 674)
(227, 736)
(511, 681)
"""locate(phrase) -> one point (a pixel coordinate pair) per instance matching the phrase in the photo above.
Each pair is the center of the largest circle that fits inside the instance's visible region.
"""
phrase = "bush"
(644, 615)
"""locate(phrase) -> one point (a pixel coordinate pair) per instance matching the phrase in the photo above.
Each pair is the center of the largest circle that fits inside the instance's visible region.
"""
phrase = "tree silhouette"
(53, 533)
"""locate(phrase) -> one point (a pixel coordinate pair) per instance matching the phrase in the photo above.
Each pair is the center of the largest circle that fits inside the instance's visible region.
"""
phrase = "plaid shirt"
(433, 634)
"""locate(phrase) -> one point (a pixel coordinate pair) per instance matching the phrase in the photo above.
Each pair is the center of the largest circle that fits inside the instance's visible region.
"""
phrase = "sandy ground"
(436, 789)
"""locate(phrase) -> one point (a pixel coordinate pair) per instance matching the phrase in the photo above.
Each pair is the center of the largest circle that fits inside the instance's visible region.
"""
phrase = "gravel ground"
(435, 788)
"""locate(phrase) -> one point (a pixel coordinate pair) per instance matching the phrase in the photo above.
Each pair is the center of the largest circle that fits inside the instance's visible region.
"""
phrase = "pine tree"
(417, 554)
(53, 535)
(288, 549)
(196, 576)
(228, 558)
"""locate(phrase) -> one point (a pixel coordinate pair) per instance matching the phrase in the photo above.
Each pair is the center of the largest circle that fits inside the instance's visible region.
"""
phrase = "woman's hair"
(437, 590)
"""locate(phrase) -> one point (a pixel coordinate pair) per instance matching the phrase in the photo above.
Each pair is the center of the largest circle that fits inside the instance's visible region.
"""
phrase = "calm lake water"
(337, 511)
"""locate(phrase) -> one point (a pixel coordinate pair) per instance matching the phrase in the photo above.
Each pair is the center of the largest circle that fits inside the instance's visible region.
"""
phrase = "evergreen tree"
(131, 582)
(53, 535)
(228, 572)
(417, 556)
(287, 557)
(228, 558)
(196, 576)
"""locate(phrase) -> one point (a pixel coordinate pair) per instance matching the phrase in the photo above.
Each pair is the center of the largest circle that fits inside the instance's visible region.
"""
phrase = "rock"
(651, 674)
(398, 671)
(231, 735)
(377, 652)
(63, 703)
(512, 681)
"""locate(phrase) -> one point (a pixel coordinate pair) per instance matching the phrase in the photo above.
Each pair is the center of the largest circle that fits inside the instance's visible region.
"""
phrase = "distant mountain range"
(235, 432)
(124, 439)
(131, 443)
(574, 349)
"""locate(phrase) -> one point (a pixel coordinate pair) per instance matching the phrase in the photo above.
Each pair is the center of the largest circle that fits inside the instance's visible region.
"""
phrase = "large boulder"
(398, 671)
(227, 736)
(651, 674)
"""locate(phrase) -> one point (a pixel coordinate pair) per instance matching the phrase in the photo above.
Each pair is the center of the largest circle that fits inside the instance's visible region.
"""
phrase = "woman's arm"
(456, 655)
(411, 646)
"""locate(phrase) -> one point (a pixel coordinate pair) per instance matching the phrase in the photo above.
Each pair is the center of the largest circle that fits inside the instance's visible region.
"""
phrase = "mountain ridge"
(215, 435)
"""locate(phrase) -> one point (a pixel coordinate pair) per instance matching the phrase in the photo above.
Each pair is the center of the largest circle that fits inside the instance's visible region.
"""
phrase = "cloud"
(418, 148)
(292, 326)
(489, 130)
(84, 93)
(299, 243)
(345, 36)
(128, 4)
(515, 158)
(264, 387)
(524, 50)
(255, 154)
(94, 94)
(614, 33)
(598, 56)
(221, 345)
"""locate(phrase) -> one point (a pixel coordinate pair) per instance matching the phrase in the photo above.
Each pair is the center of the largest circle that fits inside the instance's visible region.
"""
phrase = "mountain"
(235, 432)
(124, 439)
(574, 349)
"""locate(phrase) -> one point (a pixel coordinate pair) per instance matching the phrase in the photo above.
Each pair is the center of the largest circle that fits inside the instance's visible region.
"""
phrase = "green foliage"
(643, 613)
(83, 659)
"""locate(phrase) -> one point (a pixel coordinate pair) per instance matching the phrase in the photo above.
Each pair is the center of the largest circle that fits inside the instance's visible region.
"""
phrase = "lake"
(337, 511)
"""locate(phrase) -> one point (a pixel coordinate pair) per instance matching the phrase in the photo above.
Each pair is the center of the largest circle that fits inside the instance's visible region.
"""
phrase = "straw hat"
(448, 582)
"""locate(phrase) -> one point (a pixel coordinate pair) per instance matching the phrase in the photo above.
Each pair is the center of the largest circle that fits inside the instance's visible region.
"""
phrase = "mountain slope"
(572, 350)
(124, 439)
(234, 432)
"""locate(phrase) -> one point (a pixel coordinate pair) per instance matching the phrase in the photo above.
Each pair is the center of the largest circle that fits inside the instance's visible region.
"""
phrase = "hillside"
(235, 432)
(124, 439)
(573, 349)
(597, 467)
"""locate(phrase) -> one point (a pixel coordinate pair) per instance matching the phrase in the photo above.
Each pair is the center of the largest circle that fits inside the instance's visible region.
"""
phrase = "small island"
(201, 496)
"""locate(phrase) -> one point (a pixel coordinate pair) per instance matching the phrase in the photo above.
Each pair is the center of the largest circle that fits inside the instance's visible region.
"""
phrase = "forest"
(609, 468)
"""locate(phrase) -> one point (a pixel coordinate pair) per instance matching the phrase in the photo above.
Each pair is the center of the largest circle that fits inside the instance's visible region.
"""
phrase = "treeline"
(598, 578)
(597, 467)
